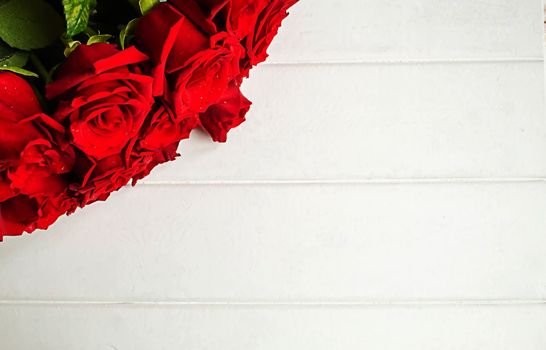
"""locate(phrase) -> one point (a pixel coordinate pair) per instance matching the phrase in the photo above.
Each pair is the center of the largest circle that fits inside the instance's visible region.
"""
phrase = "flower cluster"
(117, 113)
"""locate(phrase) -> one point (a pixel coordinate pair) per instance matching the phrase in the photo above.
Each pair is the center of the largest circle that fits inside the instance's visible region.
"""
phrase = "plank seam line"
(536, 59)
(439, 180)
(333, 303)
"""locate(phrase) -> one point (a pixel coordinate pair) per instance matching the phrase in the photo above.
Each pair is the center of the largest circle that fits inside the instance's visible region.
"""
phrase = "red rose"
(25, 214)
(103, 98)
(195, 66)
(254, 22)
(228, 113)
(165, 128)
(34, 161)
(264, 29)
(37, 171)
(207, 75)
(170, 39)
(17, 102)
(162, 135)
(212, 16)
(95, 180)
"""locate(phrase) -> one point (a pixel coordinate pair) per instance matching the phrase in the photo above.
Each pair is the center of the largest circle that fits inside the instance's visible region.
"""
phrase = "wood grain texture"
(290, 242)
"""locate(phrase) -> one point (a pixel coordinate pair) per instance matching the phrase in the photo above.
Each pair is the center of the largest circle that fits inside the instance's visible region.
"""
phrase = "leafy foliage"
(101, 38)
(146, 5)
(127, 32)
(77, 14)
(12, 58)
(20, 71)
(29, 24)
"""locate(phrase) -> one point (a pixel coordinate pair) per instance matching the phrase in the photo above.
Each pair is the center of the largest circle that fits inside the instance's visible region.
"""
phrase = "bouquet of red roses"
(95, 93)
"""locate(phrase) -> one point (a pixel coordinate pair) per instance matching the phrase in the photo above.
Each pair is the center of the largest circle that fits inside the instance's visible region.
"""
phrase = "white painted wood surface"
(387, 192)
(292, 242)
(401, 30)
(352, 122)
(91, 327)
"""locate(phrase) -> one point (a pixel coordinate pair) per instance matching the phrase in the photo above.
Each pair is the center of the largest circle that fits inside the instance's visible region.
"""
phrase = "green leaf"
(17, 59)
(147, 5)
(100, 38)
(11, 57)
(77, 14)
(70, 46)
(19, 70)
(127, 32)
(29, 24)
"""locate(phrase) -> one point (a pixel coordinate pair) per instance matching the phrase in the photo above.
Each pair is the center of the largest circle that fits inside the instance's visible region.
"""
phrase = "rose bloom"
(103, 100)
(254, 22)
(95, 180)
(192, 67)
(202, 49)
(262, 32)
(164, 128)
(225, 115)
(102, 97)
(34, 161)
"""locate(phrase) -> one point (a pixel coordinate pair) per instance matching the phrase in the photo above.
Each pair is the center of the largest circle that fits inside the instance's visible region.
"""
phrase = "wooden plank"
(313, 242)
(369, 30)
(215, 328)
(379, 121)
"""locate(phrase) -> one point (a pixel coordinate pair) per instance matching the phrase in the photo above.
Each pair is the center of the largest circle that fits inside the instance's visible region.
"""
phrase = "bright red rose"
(162, 135)
(165, 128)
(192, 68)
(263, 30)
(228, 113)
(17, 102)
(207, 75)
(95, 180)
(103, 98)
(254, 22)
(34, 161)
(37, 171)
(213, 16)
(170, 39)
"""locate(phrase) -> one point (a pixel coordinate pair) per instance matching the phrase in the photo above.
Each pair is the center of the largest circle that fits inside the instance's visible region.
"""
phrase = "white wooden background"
(387, 192)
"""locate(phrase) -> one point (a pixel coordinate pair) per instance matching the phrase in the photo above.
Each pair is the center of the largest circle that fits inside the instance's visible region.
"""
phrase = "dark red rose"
(228, 113)
(192, 68)
(103, 98)
(34, 161)
(26, 213)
